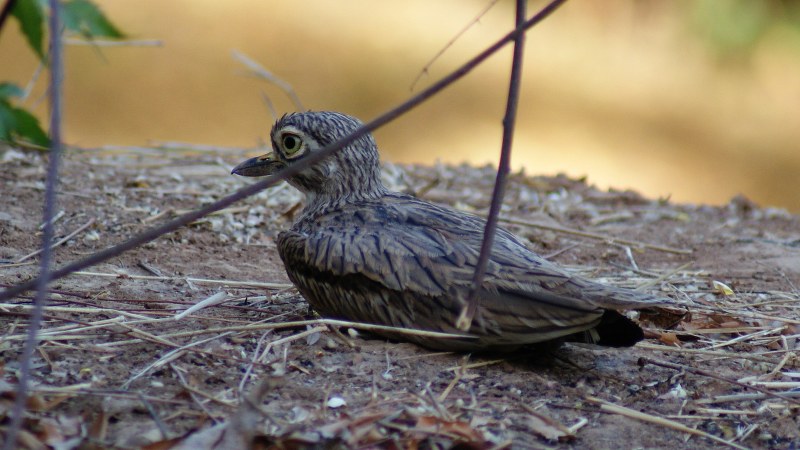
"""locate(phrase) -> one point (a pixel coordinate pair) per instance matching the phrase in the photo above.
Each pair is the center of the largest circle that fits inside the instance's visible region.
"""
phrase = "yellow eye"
(291, 143)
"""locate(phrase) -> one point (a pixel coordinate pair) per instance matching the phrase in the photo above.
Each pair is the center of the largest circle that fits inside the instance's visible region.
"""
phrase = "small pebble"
(336, 402)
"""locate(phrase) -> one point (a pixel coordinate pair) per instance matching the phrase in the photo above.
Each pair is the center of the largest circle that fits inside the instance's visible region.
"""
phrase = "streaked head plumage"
(352, 172)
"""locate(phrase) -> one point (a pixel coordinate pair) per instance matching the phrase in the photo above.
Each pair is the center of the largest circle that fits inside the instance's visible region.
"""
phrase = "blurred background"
(697, 101)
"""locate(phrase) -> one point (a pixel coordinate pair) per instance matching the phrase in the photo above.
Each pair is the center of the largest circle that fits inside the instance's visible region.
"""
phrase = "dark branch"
(468, 312)
(31, 342)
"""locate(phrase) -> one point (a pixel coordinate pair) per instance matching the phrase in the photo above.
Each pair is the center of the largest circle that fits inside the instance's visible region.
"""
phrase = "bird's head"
(351, 173)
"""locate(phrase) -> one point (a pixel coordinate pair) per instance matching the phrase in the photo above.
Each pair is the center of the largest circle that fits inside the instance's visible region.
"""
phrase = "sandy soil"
(117, 368)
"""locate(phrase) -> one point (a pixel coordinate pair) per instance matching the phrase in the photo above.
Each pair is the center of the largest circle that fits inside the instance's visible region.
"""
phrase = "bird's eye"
(291, 143)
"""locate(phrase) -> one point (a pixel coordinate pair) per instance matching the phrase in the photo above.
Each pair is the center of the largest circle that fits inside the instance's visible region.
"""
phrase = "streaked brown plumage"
(363, 253)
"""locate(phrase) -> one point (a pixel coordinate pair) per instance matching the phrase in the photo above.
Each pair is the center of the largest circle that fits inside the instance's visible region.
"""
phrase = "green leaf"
(10, 90)
(83, 17)
(18, 124)
(31, 22)
(7, 121)
(29, 129)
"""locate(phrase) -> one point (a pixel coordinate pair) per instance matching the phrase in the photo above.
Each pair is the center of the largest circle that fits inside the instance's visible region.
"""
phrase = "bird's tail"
(614, 330)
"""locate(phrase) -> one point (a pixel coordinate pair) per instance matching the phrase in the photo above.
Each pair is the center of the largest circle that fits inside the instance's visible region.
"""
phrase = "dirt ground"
(120, 366)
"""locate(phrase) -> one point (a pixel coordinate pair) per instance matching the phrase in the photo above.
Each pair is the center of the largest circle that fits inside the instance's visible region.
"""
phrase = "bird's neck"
(338, 195)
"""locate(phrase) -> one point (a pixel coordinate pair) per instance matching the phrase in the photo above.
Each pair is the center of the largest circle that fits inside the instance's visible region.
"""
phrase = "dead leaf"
(237, 433)
(670, 339)
(547, 427)
(98, 429)
(456, 429)
(721, 288)
(726, 321)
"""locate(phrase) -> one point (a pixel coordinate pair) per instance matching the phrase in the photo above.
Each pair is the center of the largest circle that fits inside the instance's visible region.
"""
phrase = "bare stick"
(633, 414)
(744, 397)
(663, 277)
(29, 87)
(261, 72)
(292, 170)
(705, 373)
(229, 283)
(718, 354)
(602, 237)
(450, 43)
(464, 320)
(169, 357)
(53, 219)
(195, 393)
(108, 43)
(268, 103)
(56, 244)
(56, 75)
(301, 323)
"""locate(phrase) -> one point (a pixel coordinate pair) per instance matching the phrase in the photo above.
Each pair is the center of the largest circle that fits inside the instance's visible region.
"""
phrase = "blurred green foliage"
(86, 19)
(30, 14)
(733, 28)
(17, 123)
(80, 17)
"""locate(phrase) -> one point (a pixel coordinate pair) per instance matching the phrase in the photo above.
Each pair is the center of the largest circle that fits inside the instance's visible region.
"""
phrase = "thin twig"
(293, 169)
(109, 43)
(450, 43)
(744, 397)
(85, 389)
(254, 284)
(746, 337)
(45, 275)
(162, 427)
(194, 148)
(148, 268)
(253, 361)
(81, 327)
(638, 415)
(649, 283)
(475, 365)
(169, 357)
(464, 321)
(288, 339)
(459, 373)
(53, 219)
(31, 84)
(601, 237)
(74, 310)
(631, 259)
(60, 241)
(705, 373)
(194, 393)
(721, 354)
(270, 107)
(259, 70)
(7, 266)
(301, 323)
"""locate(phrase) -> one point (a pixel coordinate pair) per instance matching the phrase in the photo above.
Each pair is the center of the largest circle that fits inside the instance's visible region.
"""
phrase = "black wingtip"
(614, 330)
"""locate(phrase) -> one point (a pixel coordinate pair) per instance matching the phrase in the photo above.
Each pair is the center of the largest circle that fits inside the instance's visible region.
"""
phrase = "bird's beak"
(259, 166)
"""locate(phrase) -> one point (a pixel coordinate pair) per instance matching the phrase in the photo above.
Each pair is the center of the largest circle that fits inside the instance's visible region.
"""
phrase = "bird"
(361, 252)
